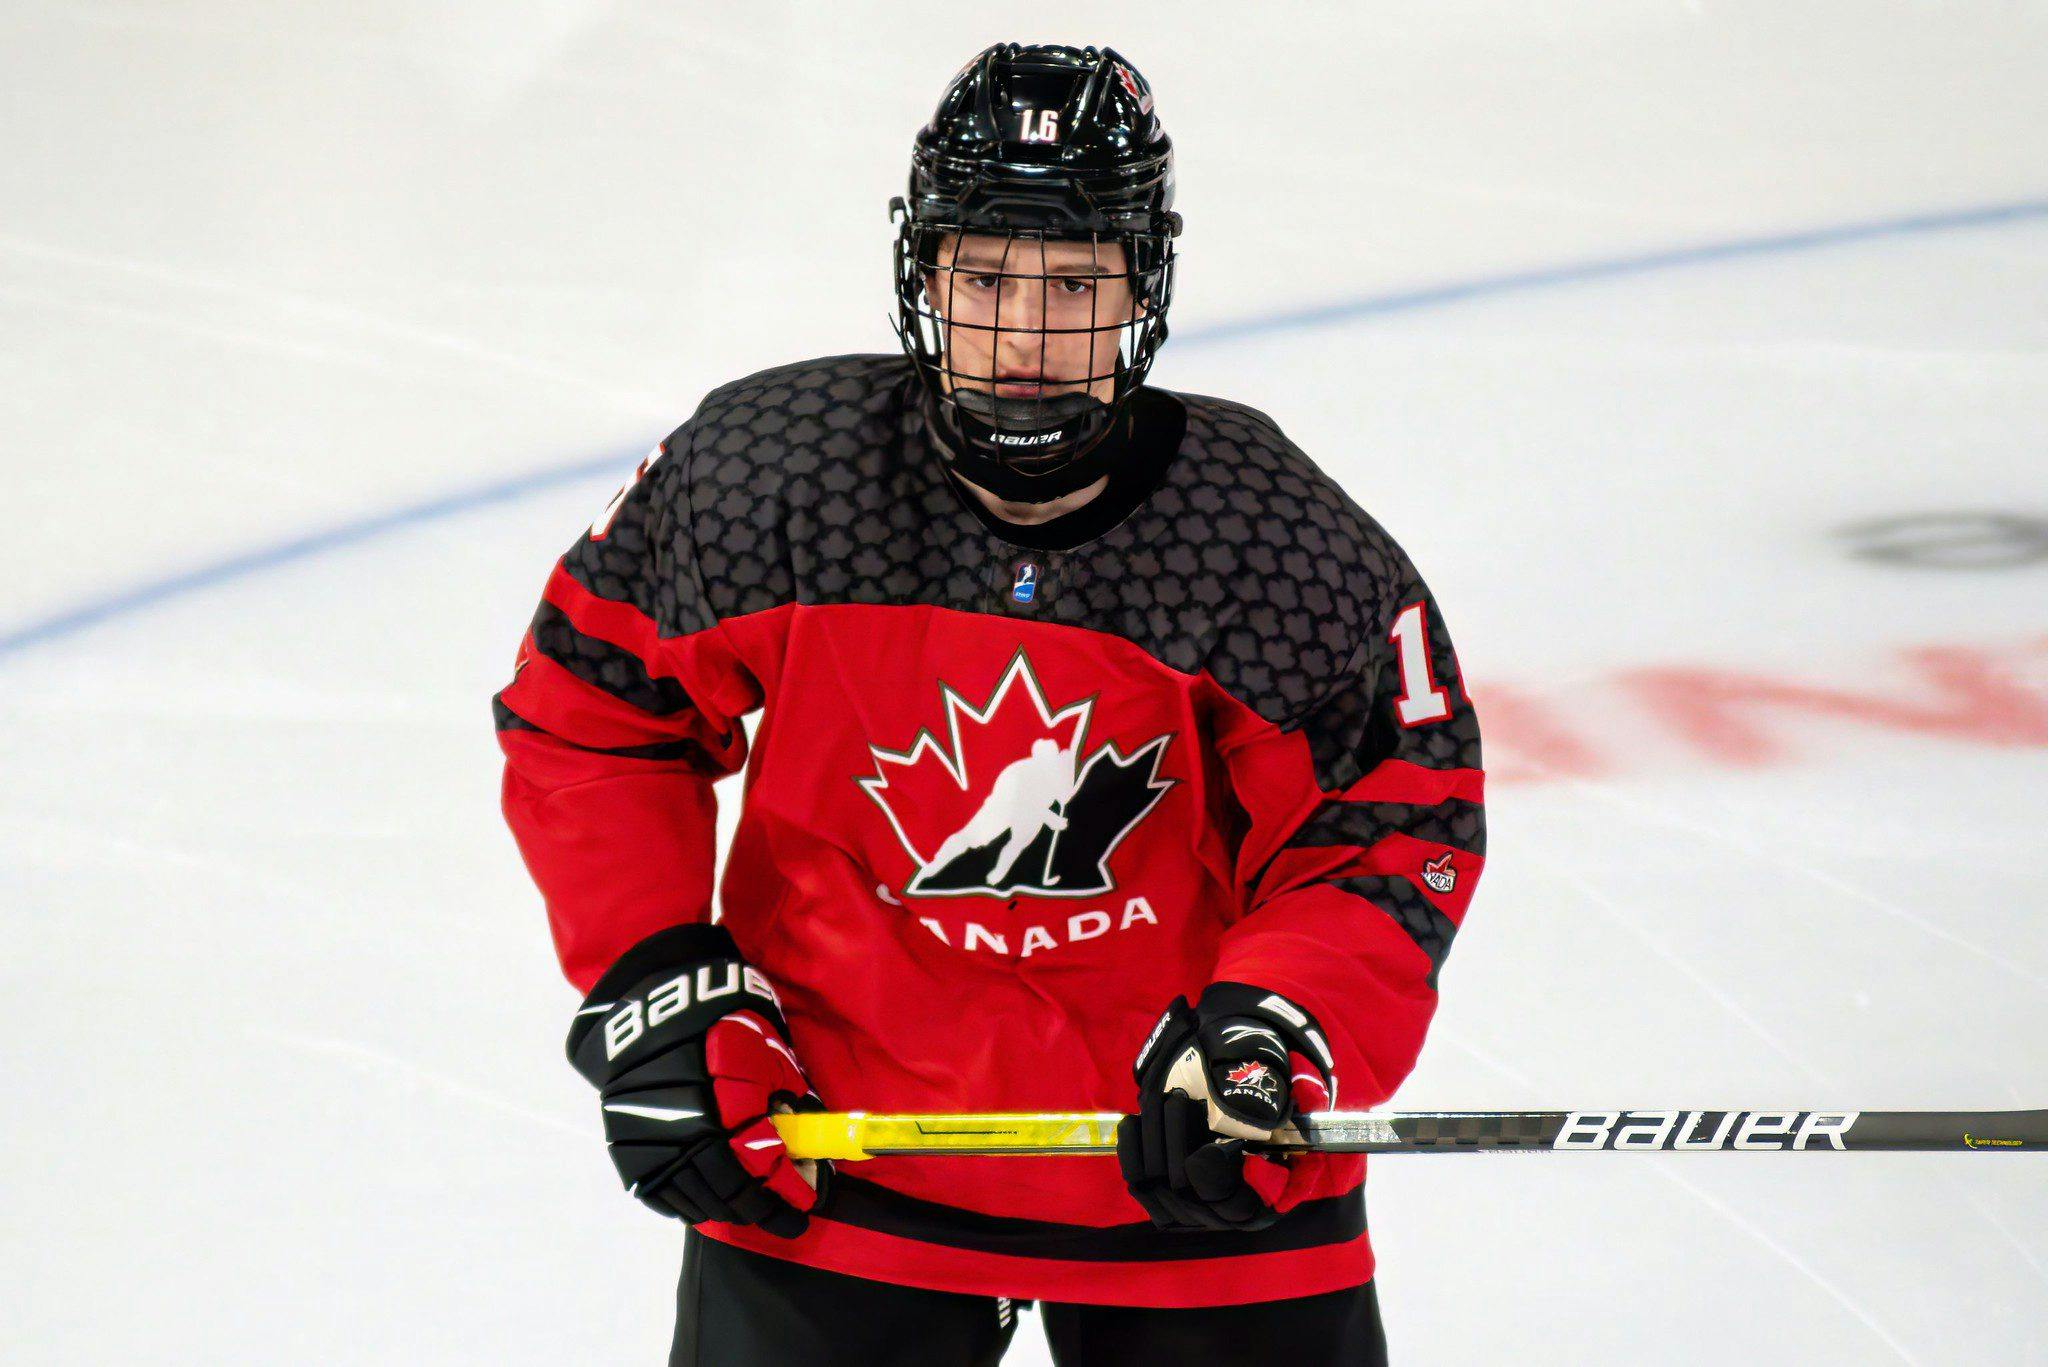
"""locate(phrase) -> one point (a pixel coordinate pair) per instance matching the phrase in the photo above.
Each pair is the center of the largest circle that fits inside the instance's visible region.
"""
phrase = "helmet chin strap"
(1026, 450)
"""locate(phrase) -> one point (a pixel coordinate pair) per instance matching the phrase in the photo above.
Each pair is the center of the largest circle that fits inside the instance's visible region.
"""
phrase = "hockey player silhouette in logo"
(1044, 828)
(1023, 803)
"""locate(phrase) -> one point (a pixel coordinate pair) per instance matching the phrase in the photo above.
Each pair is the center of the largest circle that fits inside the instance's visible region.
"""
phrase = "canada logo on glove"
(1252, 1079)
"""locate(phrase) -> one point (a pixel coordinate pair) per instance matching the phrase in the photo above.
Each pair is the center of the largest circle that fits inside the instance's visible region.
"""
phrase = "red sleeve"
(1366, 835)
(624, 706)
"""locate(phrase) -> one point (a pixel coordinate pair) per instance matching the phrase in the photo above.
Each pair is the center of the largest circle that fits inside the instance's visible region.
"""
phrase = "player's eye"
(1070, 284)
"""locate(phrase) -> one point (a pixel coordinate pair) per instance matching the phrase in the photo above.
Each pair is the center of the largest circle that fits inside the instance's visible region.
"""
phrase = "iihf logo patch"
(1025, 587)
(1014, 800)
(1439, 874)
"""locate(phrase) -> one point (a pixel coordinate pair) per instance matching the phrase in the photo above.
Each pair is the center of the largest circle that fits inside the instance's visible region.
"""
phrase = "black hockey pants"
(740, 1309)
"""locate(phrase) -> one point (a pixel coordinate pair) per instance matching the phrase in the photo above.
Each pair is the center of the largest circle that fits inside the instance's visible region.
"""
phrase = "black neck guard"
(1072, 442)
(1136, 454)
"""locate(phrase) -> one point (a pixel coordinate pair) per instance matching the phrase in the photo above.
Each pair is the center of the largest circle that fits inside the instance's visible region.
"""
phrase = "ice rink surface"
(1695, 351)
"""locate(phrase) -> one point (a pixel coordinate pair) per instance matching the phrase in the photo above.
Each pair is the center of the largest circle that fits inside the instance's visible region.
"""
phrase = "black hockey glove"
(687, 1047)
(1235, 1068)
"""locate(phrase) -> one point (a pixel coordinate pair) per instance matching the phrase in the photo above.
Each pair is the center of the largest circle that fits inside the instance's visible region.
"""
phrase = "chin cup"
(1026, 450)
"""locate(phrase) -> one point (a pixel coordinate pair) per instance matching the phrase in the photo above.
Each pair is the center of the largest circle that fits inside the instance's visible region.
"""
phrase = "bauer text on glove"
(687, 1047)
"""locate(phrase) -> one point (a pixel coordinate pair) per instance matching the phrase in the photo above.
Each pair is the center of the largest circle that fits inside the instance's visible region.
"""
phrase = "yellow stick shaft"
(853, 1135)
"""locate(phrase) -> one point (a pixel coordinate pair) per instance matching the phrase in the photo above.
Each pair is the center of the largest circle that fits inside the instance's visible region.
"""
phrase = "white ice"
(282, 1068)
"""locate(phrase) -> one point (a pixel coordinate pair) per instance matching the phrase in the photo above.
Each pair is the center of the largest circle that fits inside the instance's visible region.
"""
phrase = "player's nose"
(1023, 306)
(1020, 347)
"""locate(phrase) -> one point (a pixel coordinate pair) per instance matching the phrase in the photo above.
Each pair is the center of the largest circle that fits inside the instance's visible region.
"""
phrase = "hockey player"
(1109, 758)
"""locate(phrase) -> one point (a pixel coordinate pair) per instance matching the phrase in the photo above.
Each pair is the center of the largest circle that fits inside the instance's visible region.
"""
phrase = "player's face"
(1027, 317)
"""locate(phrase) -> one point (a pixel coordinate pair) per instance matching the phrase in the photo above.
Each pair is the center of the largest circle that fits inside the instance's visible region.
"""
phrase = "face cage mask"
(1015, 355)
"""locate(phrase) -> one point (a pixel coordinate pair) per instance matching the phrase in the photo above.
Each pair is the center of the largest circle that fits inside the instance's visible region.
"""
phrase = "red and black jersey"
(1005, 801)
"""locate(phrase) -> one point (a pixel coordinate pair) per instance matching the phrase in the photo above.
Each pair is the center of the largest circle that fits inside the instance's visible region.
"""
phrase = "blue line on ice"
(1549, 277)
(150, 592)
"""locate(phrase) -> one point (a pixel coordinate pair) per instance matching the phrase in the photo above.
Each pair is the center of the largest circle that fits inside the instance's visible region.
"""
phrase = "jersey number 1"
(1421, 700)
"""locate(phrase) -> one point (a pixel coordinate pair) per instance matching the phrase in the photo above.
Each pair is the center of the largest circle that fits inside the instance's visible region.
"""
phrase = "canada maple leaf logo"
(1012, 800)
(1249, 1074)
(1439, 874)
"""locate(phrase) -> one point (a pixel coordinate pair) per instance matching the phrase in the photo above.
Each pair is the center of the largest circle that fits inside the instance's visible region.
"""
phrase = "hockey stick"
(845, 1135)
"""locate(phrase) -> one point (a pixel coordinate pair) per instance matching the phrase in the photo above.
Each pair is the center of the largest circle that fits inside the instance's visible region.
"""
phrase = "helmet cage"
(1013, 288)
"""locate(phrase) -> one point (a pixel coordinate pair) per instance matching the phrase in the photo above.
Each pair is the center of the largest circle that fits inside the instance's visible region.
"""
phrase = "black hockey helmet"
(1032, 146)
